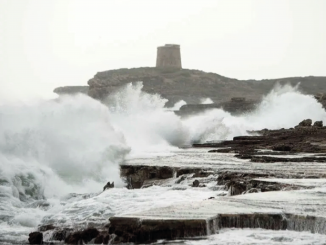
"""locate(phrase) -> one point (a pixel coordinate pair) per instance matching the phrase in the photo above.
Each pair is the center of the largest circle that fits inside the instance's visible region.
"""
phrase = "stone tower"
(168, 56)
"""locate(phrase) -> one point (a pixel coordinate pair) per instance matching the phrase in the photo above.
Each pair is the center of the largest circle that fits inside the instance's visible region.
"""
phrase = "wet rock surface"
(250, 189)
(35, 238)
(304, 138)
(273, 188)
(242, 211)
(145, 176)
(88, 235)
(244, 183)
(145, 231)
(81, 237)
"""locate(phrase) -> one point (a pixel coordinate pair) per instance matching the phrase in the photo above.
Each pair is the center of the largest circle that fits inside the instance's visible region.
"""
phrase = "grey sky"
(45, 44)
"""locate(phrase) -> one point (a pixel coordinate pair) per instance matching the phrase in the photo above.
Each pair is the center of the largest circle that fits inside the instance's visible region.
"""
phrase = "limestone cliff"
(192, 85)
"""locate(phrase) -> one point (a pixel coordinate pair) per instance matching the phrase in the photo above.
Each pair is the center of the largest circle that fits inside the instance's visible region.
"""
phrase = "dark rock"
(225, 177)
(202, 174)
(134, 230)
(107, 238)
(74, 238)
(236, 188)
(318, 124)
(243, 156)
(165, 173)
(99, 239)
(263, 221)
(195, 183)
(268, 159)
(182, 178)
(108, 186)
(183, 171)
(111, 229)
(305, 139)
(89, 233)
(35, 238)
(136, 175)
(282, 148)
(244, 183)
(305, 123)
(46, 227)
(82, 236)
(223, 150)
(60, 235)
(149, 231)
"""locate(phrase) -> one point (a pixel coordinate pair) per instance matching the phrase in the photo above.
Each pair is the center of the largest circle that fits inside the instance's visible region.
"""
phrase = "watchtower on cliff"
(168, 56)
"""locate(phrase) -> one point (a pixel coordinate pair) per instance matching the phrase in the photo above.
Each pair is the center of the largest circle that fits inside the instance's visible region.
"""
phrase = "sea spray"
(283, 107)
(49, 149)
(178, 105)
(143, 120)
(206, 101)
(74, 144)
(72, 136)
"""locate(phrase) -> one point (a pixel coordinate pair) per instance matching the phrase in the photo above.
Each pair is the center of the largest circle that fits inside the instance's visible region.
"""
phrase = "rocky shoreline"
(248, 192)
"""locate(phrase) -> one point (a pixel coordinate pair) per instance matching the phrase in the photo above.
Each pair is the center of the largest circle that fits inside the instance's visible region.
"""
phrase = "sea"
(57, 154)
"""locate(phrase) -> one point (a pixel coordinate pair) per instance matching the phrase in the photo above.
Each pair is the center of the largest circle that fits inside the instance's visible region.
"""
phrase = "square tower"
(168, 56)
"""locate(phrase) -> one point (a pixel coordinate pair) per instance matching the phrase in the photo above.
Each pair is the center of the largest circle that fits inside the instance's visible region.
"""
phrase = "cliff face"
(175, 85)
(193, 85)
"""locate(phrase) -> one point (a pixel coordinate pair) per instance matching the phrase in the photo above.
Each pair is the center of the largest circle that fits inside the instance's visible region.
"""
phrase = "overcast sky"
(45, 44)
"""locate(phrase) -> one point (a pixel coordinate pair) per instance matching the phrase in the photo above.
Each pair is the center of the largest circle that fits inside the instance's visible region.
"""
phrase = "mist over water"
(74, 144)
(283, 107)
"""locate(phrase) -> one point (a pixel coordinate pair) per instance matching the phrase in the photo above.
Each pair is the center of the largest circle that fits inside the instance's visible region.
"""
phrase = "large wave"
(144, 121)
(55, 147)
(283, 107)
(74, 144)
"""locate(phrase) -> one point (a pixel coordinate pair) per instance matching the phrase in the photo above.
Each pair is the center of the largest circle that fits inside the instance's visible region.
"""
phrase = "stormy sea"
(56, 155)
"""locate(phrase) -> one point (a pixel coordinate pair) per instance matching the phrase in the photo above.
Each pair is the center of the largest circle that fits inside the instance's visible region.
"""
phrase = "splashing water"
(206, 101)
(178, 105)
(283, 107)
(143, 120)
(75, 144)
(53, 148)
(79, 142)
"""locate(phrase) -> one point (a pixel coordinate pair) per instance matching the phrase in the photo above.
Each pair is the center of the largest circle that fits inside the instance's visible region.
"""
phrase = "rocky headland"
(190, 85)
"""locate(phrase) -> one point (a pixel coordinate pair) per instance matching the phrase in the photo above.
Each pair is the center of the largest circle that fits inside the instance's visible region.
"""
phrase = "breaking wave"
(74, 144)
(283, 107)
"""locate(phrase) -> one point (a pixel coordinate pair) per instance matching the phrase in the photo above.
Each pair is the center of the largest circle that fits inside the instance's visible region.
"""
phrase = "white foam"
(206, 101)
(74, 144)
(283, 107)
